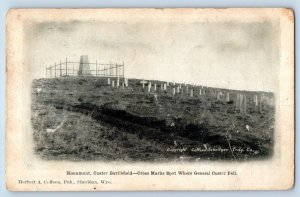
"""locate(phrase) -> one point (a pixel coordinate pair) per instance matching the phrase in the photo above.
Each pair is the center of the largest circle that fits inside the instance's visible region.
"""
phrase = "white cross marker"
(143, 82)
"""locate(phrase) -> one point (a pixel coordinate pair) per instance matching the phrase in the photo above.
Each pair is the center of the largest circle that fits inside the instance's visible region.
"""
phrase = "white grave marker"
(143, 82)
(237, 101)
(227, 97)
(245, 104)
(255, 100)
(126, 82)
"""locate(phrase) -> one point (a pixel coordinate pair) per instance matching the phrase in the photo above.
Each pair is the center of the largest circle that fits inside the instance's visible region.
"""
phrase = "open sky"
(230, 54)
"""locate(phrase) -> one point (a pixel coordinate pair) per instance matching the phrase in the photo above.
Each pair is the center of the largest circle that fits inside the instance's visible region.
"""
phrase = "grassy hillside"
(98, 122)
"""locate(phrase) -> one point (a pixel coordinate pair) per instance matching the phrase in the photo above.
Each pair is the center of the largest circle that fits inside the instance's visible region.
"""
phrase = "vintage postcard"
(150, 99)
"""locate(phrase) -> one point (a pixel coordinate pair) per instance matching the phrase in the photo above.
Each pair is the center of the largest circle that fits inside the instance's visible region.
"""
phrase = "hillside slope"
(85, 118)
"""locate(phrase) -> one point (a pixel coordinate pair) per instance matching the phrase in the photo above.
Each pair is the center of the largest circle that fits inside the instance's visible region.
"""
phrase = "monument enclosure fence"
(70, 68)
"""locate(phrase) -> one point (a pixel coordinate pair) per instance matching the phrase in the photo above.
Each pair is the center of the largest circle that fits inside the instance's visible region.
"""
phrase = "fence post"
(46, 71)
(245, 104)
(55, 69)
(237, 101)
(109, 67)
(123, 68)
(60, 67)
(66, 67)
(97, 69)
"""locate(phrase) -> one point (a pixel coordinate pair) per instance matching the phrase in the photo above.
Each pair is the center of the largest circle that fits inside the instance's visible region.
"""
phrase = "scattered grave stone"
(255, 102)
(248, 127)
(143, 82)
(118, 82)
(237, 101)
(227, 97)
(155, 97)
(260, 104)
(245, 104)
(241, 98)
(38, 90)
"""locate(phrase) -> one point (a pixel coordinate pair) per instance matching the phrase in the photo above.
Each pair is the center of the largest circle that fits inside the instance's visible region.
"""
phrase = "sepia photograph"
(151, 88)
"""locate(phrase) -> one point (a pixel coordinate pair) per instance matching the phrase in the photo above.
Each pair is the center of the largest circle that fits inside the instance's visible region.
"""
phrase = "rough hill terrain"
(78, 118)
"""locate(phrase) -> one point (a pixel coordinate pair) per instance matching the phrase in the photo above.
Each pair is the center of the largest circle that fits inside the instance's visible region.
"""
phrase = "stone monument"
(84, 67)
